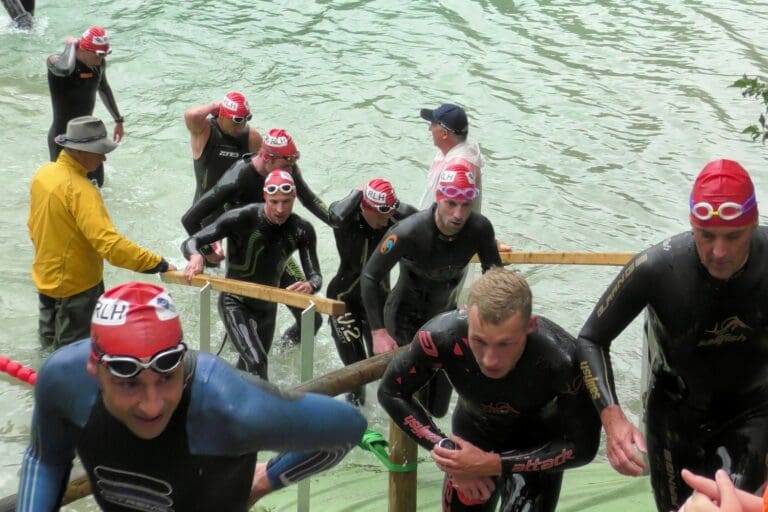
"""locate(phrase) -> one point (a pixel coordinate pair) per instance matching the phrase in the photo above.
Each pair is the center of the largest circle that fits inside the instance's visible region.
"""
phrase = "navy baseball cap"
(449, 116)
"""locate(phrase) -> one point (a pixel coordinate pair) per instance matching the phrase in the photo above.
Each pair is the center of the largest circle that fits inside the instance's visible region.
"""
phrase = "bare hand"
(467, 461)
(301, 287)
(708, 492)
(382, 341)
(624, 442)
(260, 486)
(194, 267)
(474, 491)
(118, 135)
(217, 255)
(502, 247)
(71, 40)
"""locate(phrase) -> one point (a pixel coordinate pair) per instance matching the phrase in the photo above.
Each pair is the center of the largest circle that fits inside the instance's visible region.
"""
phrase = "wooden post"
(402, 486)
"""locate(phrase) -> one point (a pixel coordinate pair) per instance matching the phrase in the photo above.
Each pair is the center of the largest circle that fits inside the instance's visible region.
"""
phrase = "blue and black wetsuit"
(73, 86)
(205, 458)
(538, 417)
(221, 151)
(356, 240)
(431, 270)
(257, 251)
(707, 405)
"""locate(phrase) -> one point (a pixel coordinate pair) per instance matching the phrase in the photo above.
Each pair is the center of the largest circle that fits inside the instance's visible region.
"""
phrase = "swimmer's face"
(498, 348)
(230, 127)
(375, 219)
(723, 251)
(144, 403)
(451, 215)
(91, 58)
(278, 207)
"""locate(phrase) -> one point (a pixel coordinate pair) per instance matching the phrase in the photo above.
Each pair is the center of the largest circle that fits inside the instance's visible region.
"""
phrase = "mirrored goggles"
(127, 367)
(241, 119)
(470, 194)
(385, 208)
(284, 188)
(726, 211)
(103, 53)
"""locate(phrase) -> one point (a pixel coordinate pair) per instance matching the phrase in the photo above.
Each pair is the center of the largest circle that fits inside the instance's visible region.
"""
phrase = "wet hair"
(499, 294)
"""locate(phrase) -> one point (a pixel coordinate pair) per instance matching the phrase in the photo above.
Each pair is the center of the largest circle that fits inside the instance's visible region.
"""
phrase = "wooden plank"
(563, 258)
(258, 291)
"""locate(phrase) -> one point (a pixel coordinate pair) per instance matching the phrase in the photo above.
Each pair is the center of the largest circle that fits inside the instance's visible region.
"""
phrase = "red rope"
(18, 370)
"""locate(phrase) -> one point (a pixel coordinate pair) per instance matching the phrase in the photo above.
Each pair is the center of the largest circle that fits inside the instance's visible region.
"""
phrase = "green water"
(594, 117)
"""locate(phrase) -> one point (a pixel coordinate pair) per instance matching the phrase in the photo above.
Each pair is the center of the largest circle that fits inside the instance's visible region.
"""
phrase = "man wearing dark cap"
(160, 427)
(74, 77)
(450, 128)
(705, 291)
(72, 235)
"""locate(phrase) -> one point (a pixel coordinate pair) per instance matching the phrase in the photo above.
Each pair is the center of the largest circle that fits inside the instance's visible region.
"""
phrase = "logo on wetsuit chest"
(731, 330)
(229, 154)
(133, 490)
(498, 408)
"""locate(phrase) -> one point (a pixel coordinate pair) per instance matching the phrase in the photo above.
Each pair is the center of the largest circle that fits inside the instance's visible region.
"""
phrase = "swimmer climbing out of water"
(74, 78)
(156, 424)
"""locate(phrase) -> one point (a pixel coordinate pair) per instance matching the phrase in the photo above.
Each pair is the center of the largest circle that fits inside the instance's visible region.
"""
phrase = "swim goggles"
(241, 119)
(127, 367)
(103, 53)
(726, 211)
(285, 188)
(470, 194)
(385, 208)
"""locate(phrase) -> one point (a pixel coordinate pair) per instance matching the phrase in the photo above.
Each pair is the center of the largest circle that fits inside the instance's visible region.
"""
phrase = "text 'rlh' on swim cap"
(234, 104)
(723, 195)
(456, 180)
(94, 39)
(379, 192)
(277, 143)
(135, 319)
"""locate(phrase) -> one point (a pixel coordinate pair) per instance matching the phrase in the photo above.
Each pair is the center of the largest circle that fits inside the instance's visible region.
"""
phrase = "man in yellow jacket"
(73, 234)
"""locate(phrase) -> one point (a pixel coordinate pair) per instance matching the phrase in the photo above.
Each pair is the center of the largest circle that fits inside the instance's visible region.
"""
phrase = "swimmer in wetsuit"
(243, 184)
(22, 12)
(261, 238)
(74, 78)
(706, 292)
(432, 246)
(219, 135)
(160, 427)
(359, 221)
(522, 416)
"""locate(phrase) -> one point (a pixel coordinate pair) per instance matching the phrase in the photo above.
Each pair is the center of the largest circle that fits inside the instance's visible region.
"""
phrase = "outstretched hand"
(624, 442)
(718, 495)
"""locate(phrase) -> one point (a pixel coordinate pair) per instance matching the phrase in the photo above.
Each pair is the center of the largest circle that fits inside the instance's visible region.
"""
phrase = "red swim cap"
(723, 196)
(135, 319)
(277, 143)
(95, 39)
(457, 181)
(379, 196)
(234, 104)
(279, 181)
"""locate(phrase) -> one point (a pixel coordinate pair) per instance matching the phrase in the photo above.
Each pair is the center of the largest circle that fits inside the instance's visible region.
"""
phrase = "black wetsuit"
(538, 417)
(355, 240)
(707, 404)
(22, 12)
(240, 185)
(431, 270)
(221, 151)
(73, 86)
(257, 251)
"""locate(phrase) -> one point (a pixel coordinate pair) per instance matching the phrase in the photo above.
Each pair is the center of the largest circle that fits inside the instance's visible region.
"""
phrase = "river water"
(593, 117)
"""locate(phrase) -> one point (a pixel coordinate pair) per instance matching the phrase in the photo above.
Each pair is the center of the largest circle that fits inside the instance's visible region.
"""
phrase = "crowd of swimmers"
(159, 426)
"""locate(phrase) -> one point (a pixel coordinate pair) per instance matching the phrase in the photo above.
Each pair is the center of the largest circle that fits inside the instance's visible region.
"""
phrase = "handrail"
(564, 258)
(347, 378)
(258, 291)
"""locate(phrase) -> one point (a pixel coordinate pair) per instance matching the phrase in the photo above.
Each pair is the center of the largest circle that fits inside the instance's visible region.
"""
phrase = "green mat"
(363, 488)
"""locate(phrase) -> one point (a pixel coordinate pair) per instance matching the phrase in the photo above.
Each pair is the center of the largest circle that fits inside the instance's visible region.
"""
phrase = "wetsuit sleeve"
(488, 251)
(63, 64)
(218, 229)
(340, 210)
(233, 413)
(391, 248)
(404, 210)
(408, 372)
(574, 446)
(624, 299)
(105, 92)
(222, 192)
(94, 223)
(308, 198)
(308, 255)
